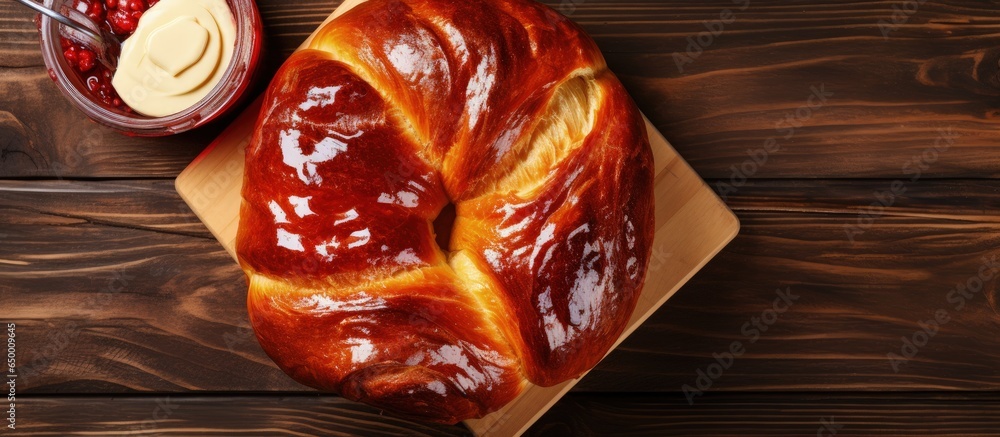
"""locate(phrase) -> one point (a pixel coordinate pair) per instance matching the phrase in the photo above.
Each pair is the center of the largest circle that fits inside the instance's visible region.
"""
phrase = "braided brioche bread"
(507, 110)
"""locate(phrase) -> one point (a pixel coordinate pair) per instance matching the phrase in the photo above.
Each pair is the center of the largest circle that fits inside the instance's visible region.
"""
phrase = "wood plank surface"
(179, 324)
(937, 69)
(857, 300)
(777, 414)
(213, 415)
(116, 287)
(577, 414)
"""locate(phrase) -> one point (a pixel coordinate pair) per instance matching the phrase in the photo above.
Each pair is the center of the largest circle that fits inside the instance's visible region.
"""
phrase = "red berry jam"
(121, 18)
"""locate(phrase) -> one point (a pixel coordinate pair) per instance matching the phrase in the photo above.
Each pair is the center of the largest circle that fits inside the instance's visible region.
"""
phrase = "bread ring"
(505, 109)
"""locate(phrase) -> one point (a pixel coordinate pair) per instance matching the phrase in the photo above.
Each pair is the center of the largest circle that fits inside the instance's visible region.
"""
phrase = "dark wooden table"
(876, 203)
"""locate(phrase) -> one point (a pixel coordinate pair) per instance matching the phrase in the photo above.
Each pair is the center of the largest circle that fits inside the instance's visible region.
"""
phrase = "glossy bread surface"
(504, 108)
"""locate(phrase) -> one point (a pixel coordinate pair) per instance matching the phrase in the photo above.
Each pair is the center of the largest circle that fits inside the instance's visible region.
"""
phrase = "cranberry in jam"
(121, 18)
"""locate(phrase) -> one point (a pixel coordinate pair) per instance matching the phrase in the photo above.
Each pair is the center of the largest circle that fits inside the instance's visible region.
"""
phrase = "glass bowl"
(230, 91)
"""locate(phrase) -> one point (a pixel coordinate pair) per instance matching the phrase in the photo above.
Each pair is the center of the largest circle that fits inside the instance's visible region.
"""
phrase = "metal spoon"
(98, 40)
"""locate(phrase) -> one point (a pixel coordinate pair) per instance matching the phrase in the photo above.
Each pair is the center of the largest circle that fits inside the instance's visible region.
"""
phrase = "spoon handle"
(62, 19)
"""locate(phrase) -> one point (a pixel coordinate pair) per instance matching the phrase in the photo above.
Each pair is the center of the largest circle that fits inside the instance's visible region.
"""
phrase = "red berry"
(71, 56)
(86, 60)
(120, 17)
(121, 22)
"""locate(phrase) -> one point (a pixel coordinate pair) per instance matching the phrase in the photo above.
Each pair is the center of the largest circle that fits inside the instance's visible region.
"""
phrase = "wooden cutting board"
(692, 225)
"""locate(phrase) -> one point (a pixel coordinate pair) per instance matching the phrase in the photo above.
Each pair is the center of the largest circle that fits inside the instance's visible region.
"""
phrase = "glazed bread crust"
(505, 109)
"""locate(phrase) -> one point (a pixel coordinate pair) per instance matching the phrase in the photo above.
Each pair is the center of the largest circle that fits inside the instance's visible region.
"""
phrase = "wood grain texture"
(578, 414)
(213, 415)
(779, 414)
(936, 70)
(119, 305)
(856, 299)
(179, 324)
(138, 204)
